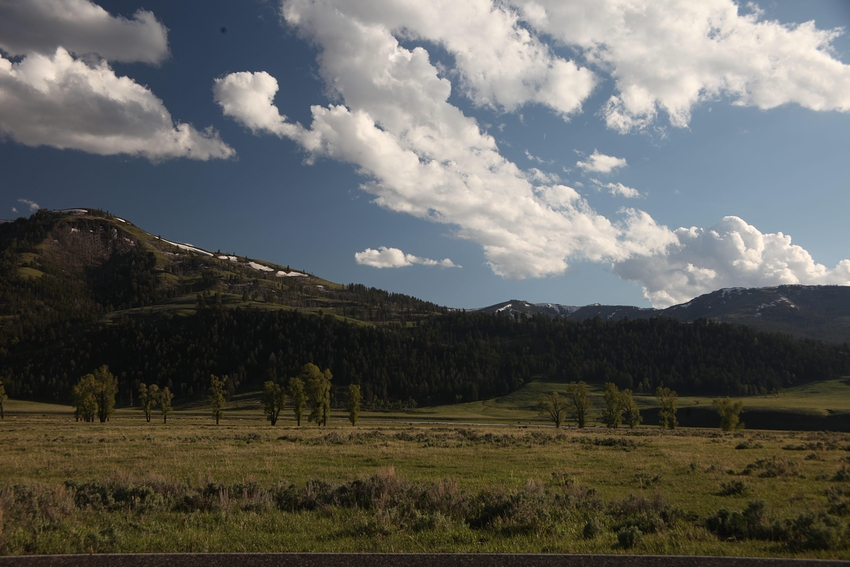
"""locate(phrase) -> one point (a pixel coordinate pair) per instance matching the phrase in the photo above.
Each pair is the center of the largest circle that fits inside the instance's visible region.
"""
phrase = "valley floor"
(132, 486)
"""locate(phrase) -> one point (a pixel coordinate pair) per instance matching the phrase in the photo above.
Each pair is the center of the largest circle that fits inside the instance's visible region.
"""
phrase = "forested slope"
(81, 291)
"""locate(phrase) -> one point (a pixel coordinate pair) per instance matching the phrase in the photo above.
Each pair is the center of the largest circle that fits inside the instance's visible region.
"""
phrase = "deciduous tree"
(94, 395)
(633, 417)
(217, 396)
(614, 406)
(274, 398)
(730, 413)
(298, 397)
(318, 388)
(106, 387)
(148, 399)
(579, 397)
(352, 403)
(164, 398)
(667, 413)
(85, 402)
(554, 407)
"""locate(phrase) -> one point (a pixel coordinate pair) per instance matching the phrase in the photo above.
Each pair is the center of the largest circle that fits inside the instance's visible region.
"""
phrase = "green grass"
(822, 397)
(552, 483)
(247, 486)
(817, 399)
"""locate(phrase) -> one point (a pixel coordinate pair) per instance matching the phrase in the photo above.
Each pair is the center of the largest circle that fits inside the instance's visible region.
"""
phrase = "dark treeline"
(447, 358)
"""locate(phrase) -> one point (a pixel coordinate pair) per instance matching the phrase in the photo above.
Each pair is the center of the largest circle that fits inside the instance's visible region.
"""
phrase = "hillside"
(82, 288)
(87, 264)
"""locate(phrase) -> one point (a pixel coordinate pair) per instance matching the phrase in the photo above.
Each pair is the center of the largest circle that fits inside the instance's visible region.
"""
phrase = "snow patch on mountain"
(561, 309)
(188, 247)
(508, 306)
(260, 267)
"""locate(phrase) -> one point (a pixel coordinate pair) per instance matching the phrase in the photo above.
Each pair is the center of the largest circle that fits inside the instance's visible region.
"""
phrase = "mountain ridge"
(804, 311)
(82, 241)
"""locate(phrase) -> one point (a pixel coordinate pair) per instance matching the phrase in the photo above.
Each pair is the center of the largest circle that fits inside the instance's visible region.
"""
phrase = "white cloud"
(541, 177)
(49, 97)
(82, 28)
(419, 154)
(385, 257)
(729, 254)
(618, 189)
(33, 206)
(62, 102)
(247, 97)
(498, 61)
(669, 56)
(532, 157)
(600, 163)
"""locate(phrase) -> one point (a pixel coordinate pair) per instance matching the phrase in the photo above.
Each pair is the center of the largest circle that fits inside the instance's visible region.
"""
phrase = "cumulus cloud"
(600, 163)
(62, 102)
(729, 254)
(385, 257)
(670, 56)
(82, 28)
(419, 154)
(33, 206)
(247, 98)
(57, 88)
(498, 61)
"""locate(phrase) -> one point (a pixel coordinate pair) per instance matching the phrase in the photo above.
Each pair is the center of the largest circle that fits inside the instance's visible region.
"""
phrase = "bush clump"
(628, 537)
(809, 531)
(748, 524)
(842, 474)
(772, 468)
(734, 488)
(748, 445)
(648, 515)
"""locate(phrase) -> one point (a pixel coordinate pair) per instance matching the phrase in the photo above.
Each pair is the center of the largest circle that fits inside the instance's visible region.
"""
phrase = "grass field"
(128, 485)
(829, 398)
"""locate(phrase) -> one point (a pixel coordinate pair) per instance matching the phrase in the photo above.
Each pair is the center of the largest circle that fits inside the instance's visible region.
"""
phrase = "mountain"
(86, 264)
(82, 288)
(815, 312)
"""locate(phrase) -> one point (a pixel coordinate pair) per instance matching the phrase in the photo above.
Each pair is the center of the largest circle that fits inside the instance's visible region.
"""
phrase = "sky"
(634, 152)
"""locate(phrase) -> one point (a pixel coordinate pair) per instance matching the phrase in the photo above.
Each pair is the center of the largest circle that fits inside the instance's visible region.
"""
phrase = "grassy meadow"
(484, 477)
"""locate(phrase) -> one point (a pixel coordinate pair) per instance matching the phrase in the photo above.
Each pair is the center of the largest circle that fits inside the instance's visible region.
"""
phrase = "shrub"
(592, 528)
(748, 445)
(648, 515)
(812, 531)
(628, 537)
(772, 468)
(733, 488)
(739, 525)
(842, 474)
(838, 504)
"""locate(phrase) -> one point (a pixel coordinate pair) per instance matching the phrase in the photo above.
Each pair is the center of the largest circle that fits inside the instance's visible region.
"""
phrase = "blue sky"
(462, 152)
